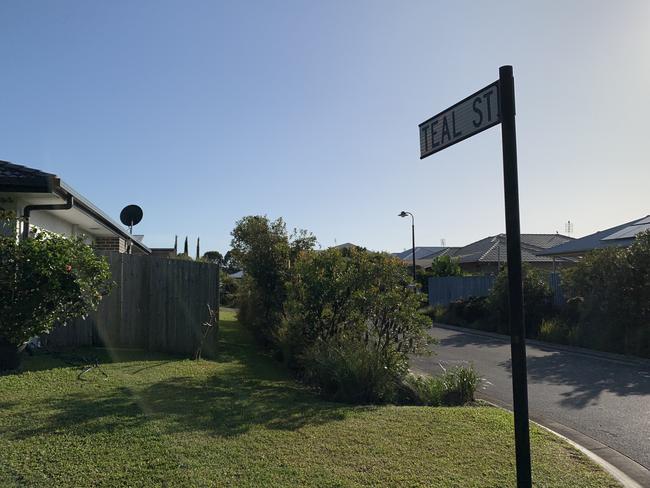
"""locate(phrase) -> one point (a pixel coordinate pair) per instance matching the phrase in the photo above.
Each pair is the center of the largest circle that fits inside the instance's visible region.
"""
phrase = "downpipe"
(52, 206)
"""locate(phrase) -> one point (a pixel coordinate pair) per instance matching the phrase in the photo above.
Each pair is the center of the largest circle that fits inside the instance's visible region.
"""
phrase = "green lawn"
(240, 421)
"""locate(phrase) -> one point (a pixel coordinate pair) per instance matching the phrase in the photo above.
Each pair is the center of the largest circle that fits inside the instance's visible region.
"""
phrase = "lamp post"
(404, 214)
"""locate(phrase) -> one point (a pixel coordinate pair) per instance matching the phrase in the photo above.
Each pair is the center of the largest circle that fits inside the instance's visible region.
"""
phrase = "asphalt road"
(605, 399)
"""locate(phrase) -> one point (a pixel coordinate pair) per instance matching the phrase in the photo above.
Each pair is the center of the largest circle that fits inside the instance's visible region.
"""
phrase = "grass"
(241, 421)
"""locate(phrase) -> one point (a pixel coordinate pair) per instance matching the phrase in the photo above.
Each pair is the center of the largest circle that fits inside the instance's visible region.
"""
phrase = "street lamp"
(404, 214)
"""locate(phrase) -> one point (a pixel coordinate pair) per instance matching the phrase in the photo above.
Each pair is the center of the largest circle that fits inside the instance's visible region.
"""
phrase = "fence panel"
(157, 304)
(444, 290)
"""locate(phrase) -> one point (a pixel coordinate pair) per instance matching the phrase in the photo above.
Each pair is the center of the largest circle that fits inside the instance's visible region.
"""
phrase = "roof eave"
(89, 209)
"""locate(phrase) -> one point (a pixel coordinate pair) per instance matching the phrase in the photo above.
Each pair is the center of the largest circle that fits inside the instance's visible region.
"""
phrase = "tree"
(229, 288)
(445, 266)
(266, 253)
(230, 263)
(213, 257)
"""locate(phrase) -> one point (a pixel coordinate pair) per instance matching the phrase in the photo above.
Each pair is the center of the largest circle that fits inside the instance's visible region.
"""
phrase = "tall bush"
(47, 280)
(609, 290)
(353, 321)
(538, 300)
(266, 252)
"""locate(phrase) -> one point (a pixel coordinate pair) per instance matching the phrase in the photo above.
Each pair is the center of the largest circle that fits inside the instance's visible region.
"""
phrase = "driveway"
(605, 399)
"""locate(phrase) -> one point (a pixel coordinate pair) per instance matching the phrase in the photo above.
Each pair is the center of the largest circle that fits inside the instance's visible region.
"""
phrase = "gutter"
(88, 209)
(72, 198)
(52, 206)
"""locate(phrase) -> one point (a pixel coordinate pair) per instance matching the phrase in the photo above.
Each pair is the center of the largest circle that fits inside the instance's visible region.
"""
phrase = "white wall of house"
(45, 220)
(49, 220)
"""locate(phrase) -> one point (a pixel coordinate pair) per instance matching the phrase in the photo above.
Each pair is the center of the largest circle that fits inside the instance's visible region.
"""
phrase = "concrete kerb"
(637, 472)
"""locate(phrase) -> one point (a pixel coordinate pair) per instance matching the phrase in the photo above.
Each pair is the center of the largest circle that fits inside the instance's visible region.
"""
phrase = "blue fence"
(444, 290)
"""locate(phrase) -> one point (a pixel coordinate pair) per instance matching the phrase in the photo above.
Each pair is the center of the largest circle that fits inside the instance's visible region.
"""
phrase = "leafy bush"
(266, 253)
(355, 296)
(345, 320)
(538, 300)
(472, 312)
(445, 266)
(45, 281)
(609, 292)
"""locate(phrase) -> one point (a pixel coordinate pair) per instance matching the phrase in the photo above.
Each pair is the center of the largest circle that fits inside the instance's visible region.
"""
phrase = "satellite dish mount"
(131, 215)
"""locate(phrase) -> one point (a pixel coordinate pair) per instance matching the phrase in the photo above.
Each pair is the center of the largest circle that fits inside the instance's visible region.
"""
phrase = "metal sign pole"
(464, 119)
(515, 288)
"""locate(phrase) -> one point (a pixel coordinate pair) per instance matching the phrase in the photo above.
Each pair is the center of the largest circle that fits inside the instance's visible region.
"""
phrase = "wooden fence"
(158, 304)
(444, 290)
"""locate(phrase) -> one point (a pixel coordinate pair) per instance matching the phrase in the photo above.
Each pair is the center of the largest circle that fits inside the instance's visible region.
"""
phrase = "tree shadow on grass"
(77, 357)
(249, 391)
(586, 377)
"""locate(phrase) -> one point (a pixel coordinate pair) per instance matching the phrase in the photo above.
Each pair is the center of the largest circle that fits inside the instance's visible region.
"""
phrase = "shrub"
(609, 292)
(422, 390)
(472, 312)
(459, 385)
(557, 330)
(266, 253)
(456, 386)
(435, 312)
(538, 300)
(345, 320)
(348, 371)
(355, 296)
(47, 280)
(445, 266)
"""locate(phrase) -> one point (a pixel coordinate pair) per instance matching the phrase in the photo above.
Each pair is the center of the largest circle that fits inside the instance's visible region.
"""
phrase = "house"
(486, 256)
(424, 255)
(621, 235)
(346, 245)
(44, 201)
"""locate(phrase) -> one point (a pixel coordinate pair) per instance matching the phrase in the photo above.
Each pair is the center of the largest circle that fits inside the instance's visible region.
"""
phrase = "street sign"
(468, 117)
(495, 104)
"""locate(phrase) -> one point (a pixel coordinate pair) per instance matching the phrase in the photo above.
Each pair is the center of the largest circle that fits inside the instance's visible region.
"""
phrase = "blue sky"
(203, 112)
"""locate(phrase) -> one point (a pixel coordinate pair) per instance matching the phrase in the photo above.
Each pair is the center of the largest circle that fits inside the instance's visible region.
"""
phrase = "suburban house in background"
(45, 201)
(487, 255)
(346, 245)
(483, 259)
(424, 255)
(618, 236)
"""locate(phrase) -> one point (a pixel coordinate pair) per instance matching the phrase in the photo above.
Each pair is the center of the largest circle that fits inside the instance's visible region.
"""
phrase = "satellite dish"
(131, 215)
